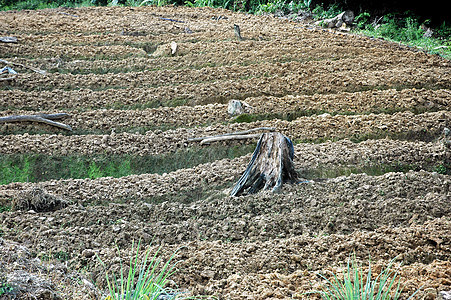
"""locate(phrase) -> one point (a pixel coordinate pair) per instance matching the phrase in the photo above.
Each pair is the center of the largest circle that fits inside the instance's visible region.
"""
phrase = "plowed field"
(368, 119)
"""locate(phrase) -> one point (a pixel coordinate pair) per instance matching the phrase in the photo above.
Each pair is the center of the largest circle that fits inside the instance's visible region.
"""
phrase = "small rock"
(445, 295)
(325, 115)
(88, 253)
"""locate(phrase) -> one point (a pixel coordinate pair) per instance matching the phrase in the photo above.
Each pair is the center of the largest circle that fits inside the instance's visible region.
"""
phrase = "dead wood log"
(346, 17)
(7, 78)
(271, 165)
(229, 137)
(199, 139)
(237, 32)
(8, 39)
(42, 72)
(42, 118)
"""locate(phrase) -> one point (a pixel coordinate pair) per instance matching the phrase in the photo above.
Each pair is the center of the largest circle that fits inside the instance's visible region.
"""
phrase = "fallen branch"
(42, 72)
(198, 139)
(8, 78)
(171, 20)
(8, 39)
(230, 137)
(41, 118)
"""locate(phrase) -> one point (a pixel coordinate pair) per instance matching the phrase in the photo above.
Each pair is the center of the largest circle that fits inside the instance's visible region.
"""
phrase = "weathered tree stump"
(237, 107)
(271, 165)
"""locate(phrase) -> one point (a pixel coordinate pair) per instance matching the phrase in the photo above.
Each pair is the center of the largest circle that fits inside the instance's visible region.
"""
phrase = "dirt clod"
(38, 200)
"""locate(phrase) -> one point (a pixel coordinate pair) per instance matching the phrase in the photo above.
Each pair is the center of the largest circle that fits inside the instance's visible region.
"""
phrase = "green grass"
(4, 208)
(35, 4)
(16, 169)
(61, 256)
(5, 289)
(40, 167)
(359, 285)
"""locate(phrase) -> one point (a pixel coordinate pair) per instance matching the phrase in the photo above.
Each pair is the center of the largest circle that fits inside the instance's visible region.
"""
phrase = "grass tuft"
(145, 280)
(359, 285)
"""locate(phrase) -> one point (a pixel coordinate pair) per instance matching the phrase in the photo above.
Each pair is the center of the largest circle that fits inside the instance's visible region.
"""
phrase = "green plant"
(359, 285)
(15, 170)
(271, 6)
(320, 13)
(200, 3)
(406, 28)
(5, 288)
(5, 208)
(94, 171)
(154, 2)
(441, 169)
(363, 20)
(62, 256)
(150, 282)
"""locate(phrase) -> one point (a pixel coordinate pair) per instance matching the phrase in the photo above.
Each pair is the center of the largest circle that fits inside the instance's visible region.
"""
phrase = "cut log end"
(271, 165)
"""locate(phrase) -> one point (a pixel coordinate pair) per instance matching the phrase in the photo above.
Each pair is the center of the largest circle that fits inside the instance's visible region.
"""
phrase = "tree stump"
(271, 165)
(237, 107)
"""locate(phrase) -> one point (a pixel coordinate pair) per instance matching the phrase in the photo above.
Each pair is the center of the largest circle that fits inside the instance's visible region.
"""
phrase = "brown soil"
(367, 116)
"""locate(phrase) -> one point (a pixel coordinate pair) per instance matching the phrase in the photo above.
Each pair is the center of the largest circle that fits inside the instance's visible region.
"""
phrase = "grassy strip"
(375, 169)
(295, 114)
(40, 167)
(410, 135)
(85, 131)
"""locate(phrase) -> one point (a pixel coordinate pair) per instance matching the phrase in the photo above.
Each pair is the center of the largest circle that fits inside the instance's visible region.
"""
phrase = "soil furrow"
(287, 107)
(406, 125)
(309, 158)
(292, 77)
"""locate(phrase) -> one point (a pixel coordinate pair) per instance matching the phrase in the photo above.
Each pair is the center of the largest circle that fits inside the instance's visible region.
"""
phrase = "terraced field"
(367, 118)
